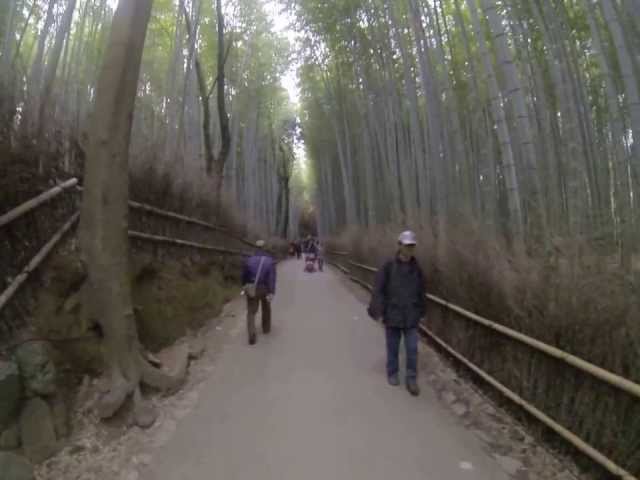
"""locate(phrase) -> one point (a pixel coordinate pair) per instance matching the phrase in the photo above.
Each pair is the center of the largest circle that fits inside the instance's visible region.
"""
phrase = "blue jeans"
(394, 336)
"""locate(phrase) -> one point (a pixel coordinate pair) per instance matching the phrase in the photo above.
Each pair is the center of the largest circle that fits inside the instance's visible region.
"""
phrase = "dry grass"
(149, 186)
(589, 310)
(20, 181)
(173, 297)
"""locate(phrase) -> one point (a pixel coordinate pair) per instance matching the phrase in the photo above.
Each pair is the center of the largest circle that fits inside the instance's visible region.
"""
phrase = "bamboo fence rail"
(610, 378)
(35, 262)
(35, 202)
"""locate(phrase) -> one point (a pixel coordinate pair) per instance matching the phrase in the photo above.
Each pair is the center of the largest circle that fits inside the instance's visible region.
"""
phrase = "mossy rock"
(10, 391)
(15, 467)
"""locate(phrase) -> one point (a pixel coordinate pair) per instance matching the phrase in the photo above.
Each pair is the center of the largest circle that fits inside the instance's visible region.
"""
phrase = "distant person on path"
(311, 257)
(399, 299)
(308, 244)
(312, 250)
(259, 286)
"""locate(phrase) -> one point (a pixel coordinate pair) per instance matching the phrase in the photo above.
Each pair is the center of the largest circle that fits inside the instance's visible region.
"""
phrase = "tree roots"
(159, 379)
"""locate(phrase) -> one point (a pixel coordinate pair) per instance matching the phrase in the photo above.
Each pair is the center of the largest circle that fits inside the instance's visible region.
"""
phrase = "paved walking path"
(310, 401)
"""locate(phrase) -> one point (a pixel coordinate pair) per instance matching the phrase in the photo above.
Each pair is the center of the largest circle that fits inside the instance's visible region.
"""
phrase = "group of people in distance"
(398, 298)
(312, 250)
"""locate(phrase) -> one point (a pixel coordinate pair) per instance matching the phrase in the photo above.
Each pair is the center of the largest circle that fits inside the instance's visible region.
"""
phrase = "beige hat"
(260, 243)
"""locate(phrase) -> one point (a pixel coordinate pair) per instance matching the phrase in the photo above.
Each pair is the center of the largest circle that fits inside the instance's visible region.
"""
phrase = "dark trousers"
(393, 336)
(259, 301)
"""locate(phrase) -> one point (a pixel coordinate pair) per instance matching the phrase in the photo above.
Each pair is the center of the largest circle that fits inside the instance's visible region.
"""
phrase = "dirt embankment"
(172, 296)
(176, 290)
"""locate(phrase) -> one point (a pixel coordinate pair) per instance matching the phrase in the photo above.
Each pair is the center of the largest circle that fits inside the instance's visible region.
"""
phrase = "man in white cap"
(399, 298)
(259, 286)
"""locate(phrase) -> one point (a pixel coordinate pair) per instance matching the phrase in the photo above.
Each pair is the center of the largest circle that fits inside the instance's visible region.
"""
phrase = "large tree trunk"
(104, 216)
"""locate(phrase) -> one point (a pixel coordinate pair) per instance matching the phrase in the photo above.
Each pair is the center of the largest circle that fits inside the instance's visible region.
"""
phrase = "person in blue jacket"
(259, 286)
(399, 299)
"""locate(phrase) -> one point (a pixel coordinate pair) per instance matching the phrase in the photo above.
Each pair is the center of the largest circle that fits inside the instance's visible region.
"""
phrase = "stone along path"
(310, 401)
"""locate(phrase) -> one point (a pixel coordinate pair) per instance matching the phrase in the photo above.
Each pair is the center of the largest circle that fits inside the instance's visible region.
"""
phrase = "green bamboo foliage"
(50, 53)
(519, 115)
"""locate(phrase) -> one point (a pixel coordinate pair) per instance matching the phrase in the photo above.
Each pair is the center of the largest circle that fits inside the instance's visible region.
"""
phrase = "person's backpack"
(250, 290)
(375, 309)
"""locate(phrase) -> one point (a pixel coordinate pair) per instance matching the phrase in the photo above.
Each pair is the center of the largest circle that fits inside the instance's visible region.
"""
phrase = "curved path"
(310, 401)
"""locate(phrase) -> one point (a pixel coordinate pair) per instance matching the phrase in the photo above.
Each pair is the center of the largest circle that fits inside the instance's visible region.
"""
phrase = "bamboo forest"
(148, 147)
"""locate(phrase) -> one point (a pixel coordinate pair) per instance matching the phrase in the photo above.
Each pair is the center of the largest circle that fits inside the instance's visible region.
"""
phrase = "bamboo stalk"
(36, 261)
(569, 436)
(36, 201)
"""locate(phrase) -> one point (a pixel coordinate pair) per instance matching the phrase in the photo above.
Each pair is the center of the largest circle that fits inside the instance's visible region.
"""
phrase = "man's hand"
(270, 297)
(373, 313)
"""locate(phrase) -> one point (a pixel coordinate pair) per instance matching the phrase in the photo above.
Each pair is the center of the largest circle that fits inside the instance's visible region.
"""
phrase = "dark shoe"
(266, 330)
(413, 388)
(252, 339)
(393, 380)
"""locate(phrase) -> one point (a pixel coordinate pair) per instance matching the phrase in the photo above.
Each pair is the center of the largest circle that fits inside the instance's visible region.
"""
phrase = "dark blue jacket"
(399, 294)
(267, 275)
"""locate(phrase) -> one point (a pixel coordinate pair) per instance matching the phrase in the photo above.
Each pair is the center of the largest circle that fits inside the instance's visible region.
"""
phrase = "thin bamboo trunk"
(622, 207)
(631, 96)
(508, 164)
(49, 78)
(515, 94)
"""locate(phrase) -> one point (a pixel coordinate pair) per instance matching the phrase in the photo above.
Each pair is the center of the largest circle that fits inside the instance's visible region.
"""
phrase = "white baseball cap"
(260, 243)
(407, 238)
